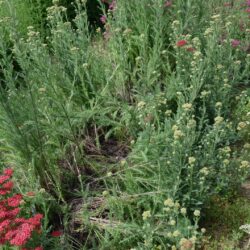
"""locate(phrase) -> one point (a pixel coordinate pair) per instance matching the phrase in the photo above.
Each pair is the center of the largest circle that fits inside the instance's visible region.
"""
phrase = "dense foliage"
(128, 131)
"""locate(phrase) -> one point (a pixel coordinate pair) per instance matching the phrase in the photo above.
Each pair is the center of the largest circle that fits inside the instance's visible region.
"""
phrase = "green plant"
(127, 118)
(223, 219)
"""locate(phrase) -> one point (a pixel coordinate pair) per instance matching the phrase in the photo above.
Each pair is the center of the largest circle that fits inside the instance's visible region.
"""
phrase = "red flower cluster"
(14, 230)
(181, 43)
(6, 185)
(56, 233)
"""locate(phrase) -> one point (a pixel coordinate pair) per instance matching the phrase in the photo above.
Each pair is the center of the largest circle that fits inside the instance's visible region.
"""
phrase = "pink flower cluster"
(112, 7)
(235, 43)
(248, 7)
(15, 230)
(184, 43)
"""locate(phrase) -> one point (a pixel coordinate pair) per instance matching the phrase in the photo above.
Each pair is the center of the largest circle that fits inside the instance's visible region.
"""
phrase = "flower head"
(218, 120)
(22, 235)
(172, 222)
(181, 43)
(176, 233)
(8, 172)
(197, 213)
(183, 210)
(146, 215)
(187, 106)
(56, 233)
(245, 164)
(191, 160)
(235, 43)
(186, 244)
(15, 200)
(112, 5)
(3, 178)
(103, 19)
(169, 202)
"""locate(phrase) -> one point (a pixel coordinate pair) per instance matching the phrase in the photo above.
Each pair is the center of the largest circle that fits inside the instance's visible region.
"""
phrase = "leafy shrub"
(134, 121)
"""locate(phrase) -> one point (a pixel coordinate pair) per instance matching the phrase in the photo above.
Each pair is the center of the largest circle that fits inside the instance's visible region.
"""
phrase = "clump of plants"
(128, 129)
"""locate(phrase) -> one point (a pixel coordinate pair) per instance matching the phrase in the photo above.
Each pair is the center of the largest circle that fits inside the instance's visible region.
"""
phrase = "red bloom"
(3, 178)
(3, 191)
(39, 248)
(10, 234)
(14, 230)
(56, 233)
(8, 171)
(19, 220)
(8, 185)
(15, 200)
(181, 43)
(36, 220)
(3, 225)
(3, 214)
(14, 212)
(22, 235)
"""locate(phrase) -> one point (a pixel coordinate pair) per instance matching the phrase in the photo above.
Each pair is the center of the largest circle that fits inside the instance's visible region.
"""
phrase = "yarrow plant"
(15, 230)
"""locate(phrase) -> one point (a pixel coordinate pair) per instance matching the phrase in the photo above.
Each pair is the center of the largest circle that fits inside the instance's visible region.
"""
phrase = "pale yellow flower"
(218, 120)
(241, 125)
(197, 213)
(141, 104)
(176, 233)
(218, 104)
(178, 134)
(183, 210)
(105, 193)
(191, 160)
(244, 164)
(172, 222)
(146, 215)
(187, 106)
(169, 202)
(204, 171)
